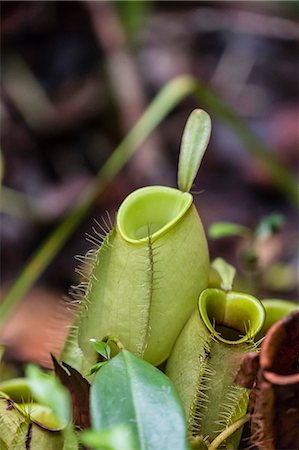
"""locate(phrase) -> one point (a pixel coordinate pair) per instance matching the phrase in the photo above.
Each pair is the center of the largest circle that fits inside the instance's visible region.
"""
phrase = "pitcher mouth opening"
(151, 211)
(233, 317)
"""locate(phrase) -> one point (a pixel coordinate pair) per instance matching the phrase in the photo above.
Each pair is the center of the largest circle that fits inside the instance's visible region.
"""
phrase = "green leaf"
(225, 229)
(226, 272)
(195, 140)
(269, 225)
(48, 391)
(130, 391)
(95, 368)
(118, 437)
(102, 348)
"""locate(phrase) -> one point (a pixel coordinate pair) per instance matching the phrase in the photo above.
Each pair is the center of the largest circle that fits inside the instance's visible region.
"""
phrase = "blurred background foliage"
(76, 77)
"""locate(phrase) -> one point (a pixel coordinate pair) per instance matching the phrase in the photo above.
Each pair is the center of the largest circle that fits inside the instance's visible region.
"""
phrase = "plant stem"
(227, 432)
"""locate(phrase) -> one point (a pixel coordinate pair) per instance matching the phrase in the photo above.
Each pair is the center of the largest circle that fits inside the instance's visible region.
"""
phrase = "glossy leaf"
(195, 140)
(129, 391)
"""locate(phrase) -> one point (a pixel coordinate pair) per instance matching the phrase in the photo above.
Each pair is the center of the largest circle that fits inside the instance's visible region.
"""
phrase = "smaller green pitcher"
(206, 358)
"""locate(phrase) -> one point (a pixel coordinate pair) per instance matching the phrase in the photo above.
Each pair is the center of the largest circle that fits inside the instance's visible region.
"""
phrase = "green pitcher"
(146, 276)
(206, 359)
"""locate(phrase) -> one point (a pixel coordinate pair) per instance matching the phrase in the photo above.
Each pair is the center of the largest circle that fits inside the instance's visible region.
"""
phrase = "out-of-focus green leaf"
(226, 272)
(225, 229)
(269, 225)
(130, 391)
(48, 391)
(195, 140)
(119, 437)
(280, 277)
(133, 15)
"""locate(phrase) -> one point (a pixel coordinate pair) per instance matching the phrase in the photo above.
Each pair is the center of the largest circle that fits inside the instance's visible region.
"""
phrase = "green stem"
(228, 432)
